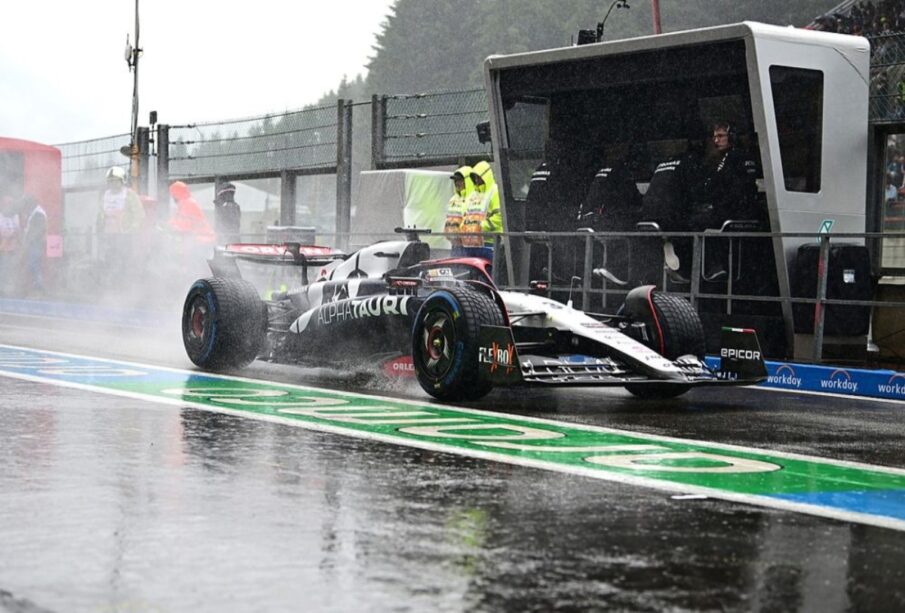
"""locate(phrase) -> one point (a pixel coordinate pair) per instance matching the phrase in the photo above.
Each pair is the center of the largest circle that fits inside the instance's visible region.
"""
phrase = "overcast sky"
(65, 77)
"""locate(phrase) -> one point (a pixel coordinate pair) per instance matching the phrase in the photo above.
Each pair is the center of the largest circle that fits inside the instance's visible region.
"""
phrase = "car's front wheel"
(445, 342)
(674, 326)
(224, 323)
(675, 330)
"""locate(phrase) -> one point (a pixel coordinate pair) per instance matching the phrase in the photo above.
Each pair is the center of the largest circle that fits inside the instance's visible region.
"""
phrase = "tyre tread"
(682, 329)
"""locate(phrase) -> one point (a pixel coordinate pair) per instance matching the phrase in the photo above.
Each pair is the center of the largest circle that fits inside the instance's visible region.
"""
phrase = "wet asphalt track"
(115, 504)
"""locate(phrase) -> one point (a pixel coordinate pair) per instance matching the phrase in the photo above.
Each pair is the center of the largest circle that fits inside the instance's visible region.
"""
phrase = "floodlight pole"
(133, 65)
(602, 24)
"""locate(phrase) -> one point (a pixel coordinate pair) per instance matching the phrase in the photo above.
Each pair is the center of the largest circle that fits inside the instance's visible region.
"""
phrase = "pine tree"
(440, 45)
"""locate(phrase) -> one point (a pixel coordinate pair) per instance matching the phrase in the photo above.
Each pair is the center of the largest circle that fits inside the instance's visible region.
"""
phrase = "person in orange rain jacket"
(188, 218)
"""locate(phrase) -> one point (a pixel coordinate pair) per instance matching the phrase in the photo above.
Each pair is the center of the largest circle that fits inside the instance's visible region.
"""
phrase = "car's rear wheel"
(445, 342)
(224, 323)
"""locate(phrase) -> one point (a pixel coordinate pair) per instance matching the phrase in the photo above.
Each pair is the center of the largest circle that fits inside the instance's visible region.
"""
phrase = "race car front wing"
(504, 362)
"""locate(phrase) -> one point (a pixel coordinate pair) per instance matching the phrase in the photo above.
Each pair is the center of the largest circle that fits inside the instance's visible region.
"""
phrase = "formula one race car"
(444, 319)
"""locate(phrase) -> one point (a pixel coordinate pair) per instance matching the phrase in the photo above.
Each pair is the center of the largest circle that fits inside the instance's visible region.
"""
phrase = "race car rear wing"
(294, 253)
(223, 264)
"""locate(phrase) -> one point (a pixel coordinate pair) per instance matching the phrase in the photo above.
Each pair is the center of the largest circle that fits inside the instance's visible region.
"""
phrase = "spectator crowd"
(864, 18)
(884, 24)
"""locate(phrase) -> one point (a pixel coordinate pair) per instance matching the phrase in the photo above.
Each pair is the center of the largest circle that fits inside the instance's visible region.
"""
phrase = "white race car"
(390, 304)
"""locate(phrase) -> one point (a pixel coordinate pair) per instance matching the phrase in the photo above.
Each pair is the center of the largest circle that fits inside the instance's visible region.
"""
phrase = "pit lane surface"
(121, 504)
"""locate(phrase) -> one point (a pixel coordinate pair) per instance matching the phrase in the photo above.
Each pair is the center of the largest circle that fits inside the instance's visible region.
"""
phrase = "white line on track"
(481, 412)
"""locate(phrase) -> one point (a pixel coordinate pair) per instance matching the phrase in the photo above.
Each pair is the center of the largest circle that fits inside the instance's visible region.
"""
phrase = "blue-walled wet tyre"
(224, 323)
(445, 340)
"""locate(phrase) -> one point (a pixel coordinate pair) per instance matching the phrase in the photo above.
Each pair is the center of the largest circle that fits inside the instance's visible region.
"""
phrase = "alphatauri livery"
(389, 304)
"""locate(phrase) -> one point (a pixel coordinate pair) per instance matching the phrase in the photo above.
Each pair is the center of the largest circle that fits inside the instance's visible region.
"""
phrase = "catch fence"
(86, 162)
(431, 129)
(887, 78)
(401, 131)
(305, 140)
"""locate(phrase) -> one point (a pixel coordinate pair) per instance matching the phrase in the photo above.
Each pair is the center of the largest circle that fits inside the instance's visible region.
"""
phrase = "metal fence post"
(495, 261)
(287, 198)
(343, 172)
(586, 276)
(163, 171)
(378, 129)
(144, 159)
(819, 308)
(695, 271)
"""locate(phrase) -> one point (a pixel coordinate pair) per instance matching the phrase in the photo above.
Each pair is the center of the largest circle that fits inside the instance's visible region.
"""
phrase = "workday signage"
(852, 381)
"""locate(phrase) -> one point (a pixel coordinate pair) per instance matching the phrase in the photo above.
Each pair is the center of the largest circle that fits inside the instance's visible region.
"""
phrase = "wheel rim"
(197, 320)
(437, 341)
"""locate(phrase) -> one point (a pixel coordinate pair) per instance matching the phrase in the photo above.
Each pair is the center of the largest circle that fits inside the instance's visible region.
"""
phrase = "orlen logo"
(739, 354)
(786, 376)
(399, 367)
(839, 381)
